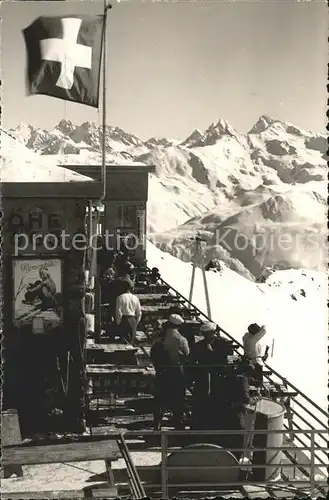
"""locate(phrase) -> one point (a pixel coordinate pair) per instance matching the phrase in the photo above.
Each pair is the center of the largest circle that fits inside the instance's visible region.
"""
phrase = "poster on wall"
(38, 292)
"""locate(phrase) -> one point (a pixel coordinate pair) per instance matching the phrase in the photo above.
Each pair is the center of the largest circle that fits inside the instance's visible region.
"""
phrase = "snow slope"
(20, 164)
(286, 229)
(298, 327)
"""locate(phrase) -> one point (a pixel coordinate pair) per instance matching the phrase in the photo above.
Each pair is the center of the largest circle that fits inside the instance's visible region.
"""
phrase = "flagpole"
(103, 170)
(97, 310)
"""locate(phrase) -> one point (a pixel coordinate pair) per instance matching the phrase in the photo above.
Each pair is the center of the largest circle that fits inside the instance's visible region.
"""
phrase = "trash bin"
(202, 455)
(269, 416)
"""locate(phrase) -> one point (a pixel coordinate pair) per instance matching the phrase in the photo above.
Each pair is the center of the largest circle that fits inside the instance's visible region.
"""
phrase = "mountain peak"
(213, 133)
(221, 125)
(88, 126)
(216, 131)
(65, 126)
(24, 126)
(263, 122)
(154, 142)
(191, 140)
(22, 130)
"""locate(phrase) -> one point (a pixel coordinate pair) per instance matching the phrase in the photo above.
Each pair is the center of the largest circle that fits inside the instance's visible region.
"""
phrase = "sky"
(176, 66)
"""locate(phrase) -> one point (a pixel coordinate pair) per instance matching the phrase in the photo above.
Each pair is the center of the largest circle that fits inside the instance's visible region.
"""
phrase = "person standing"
(174, 343)
(128, 312)
(207, 361)
(160, 361)
(173, 385)
(230, 401)
(253, 349)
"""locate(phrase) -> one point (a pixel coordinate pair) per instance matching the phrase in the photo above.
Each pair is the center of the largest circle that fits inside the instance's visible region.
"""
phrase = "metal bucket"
(269, 416)
(200, 456)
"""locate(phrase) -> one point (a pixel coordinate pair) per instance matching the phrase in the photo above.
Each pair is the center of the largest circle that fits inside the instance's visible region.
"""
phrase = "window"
(126, 216)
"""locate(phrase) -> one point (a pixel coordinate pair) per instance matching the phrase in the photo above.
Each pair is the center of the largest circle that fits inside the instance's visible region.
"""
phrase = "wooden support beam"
(55, 453)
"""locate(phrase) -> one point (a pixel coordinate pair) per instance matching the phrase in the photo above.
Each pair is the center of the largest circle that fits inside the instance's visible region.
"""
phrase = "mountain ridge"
(203, 181)
(66, 129)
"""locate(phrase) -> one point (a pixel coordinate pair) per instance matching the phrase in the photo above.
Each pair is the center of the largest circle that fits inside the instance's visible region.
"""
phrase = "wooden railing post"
(164, 478)
(312, 467)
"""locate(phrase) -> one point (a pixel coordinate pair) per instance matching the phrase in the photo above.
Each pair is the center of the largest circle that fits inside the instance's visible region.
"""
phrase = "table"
(111, 379)
(275, 391)
(149, 311)
(112, 353)
(159, 297)
(151, 288)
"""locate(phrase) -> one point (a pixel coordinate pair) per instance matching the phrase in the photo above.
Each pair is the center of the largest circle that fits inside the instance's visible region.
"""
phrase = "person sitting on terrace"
(154, 275)
(213, 265)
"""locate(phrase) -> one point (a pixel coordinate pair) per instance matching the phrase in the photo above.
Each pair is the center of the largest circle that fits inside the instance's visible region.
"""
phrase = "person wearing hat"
(174, 350)
(207, 361)
(175, 344)
(128, 312)
(253, 348)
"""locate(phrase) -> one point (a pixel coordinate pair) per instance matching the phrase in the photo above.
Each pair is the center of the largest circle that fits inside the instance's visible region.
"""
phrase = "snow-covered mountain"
(67, 138)
(20, 164)
(267, 184)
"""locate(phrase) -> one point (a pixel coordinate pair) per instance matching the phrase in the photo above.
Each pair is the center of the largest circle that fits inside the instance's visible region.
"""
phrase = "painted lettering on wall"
(34, 220)
(34, 223)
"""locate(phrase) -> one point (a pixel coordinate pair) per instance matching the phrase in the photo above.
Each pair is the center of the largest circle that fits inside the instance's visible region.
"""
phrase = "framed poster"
(37, 292)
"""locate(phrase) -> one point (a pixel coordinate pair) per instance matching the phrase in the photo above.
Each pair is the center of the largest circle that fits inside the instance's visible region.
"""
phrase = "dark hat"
(253, 328)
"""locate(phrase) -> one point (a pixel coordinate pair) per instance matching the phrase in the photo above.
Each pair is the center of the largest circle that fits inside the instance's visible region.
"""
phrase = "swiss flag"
(64, 57)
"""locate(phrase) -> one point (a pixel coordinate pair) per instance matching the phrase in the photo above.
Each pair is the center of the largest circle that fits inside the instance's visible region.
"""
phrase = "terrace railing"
(311, 477)
(303, 413)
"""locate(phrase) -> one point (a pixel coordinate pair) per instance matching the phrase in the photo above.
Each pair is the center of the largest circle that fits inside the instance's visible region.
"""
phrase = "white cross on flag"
(64, 57)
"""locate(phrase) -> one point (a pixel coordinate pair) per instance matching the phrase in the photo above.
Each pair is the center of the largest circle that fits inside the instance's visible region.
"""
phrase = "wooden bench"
(85, 450)
(112, 353)
(148, 309)
(58, 494)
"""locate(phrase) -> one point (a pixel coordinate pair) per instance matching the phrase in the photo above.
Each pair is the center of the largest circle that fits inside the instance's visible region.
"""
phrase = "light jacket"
(252, 347)
(176, 345)
(127, 304)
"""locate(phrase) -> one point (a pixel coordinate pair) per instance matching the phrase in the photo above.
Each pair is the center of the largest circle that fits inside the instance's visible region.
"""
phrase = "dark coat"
(169, 379)
(205, 365)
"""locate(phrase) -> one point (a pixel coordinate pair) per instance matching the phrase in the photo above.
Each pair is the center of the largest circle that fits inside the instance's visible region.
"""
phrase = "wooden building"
(125, 203)
(44, 228)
